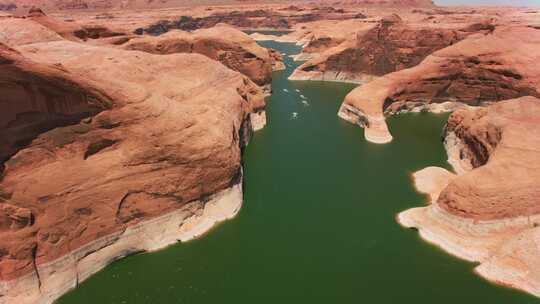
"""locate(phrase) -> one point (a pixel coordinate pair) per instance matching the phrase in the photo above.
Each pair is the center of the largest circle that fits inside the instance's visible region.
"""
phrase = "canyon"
(124, 124)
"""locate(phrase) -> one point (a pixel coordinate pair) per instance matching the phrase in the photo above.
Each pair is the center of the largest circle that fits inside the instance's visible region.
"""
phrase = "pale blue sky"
(489, 2)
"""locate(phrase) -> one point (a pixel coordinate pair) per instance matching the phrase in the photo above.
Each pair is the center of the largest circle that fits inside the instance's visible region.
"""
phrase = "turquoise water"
(318, 222)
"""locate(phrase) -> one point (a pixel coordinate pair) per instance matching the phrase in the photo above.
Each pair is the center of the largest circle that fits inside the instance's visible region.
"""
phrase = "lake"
(318, 222)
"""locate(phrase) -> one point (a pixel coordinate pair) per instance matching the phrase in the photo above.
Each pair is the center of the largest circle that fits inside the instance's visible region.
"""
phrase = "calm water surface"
(318, 222)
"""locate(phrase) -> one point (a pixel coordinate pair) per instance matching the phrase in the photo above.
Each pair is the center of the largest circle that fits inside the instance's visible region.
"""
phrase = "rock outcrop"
(230, 46)
(390, 45)
(37, 98)
(277, 60)
(148, 4)
(490, 213)
(480, 69)
(36, 27)
(70, 30)
(245, 19)
(111, 152)
(319, 36)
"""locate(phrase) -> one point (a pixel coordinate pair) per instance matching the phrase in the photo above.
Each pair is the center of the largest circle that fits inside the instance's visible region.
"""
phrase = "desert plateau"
(258, 151)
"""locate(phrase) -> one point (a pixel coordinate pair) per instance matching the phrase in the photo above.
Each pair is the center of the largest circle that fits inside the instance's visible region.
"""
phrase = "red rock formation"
(70, 30)
(146, 4)
(490, 213)
(39, 27)
(36, 98)
(277, 60)
(502, 144)
(389, 46)
(230, 46)
(246, 19)
(150, 157)
(320, 36)
(480, 69)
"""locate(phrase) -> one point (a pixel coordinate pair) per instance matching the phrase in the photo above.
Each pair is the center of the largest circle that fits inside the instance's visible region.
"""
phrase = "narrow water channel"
(318, 222)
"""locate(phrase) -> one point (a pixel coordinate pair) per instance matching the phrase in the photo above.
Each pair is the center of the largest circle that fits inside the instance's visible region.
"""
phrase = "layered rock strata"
(37, 98)
(151, 4)
(36, 26)
(479, 70)
(490, 213)
(230, 46)
(246, 19)
(318, 37)
(71, 30)
(377, 49)
(154, 160)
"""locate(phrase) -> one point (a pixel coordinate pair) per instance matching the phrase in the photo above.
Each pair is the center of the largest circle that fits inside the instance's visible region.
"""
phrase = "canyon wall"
(490, 212)
(481, 69)
(378, 48)
(149, 4)
(230, 46)
(108, 152)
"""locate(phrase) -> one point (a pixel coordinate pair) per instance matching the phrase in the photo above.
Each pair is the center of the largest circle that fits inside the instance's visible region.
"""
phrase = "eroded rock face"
(481, 69)
(320, 36)
(36, 27)
(502, 144)
(390, 45)
(36, 98)
(145, 150)
(277, 60)
(146, 4)
(495, 221)
(249, 19)
(68, 30)
(230, 46)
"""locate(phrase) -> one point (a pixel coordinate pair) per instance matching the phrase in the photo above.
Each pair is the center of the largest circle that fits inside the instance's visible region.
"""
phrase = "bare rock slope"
(480, 69)
(111, 152)
(230, 46)
(377, 49)
(36, 26)
(496, 221)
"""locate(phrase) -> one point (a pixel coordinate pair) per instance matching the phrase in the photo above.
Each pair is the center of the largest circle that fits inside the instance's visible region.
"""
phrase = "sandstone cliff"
(377, 49)
(481, 69)
(37, 98)
(146, 4)
(36, 26)
(230, 46)
(490, 213)
(111, 152)
(319, 36)
(248, 19)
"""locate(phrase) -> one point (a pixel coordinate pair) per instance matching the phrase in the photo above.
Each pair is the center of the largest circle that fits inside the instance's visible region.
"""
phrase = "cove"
(318, 221)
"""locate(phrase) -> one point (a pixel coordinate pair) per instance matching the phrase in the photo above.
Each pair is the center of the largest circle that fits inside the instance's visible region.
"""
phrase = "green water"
(318, 222)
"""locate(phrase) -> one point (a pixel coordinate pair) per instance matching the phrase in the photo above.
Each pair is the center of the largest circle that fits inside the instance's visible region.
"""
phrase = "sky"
(489, 2)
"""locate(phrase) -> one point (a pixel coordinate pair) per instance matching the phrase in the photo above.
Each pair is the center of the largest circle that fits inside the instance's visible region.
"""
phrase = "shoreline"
(45, 282)
(53, 279)
(331, 76)
(485, 242)
(504, 248)
(376, 129)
